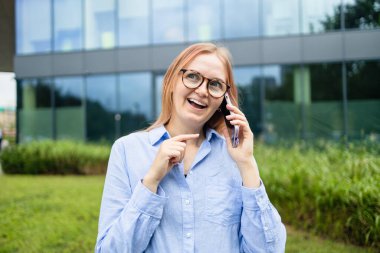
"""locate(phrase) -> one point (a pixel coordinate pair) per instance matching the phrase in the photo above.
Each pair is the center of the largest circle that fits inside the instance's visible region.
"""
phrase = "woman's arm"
(128, 217)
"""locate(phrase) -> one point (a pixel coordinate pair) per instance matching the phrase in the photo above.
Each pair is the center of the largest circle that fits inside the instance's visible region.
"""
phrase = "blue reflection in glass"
(280, 17)
(241, 18)
(68, 27)
(204, 20)
(100, 24)
(168, 21)
(33, 26)
(133, 22)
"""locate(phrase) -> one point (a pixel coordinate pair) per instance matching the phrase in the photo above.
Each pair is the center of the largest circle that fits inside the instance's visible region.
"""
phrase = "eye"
(193, 77)
(216, 85)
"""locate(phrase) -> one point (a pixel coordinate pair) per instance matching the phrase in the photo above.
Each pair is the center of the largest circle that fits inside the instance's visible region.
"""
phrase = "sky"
(7, 90)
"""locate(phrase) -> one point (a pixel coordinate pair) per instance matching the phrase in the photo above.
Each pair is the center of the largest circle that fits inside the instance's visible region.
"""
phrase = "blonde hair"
(171, 75)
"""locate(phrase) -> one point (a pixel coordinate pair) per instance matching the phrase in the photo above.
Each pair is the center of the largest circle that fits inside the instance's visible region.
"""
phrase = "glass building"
(92, 70)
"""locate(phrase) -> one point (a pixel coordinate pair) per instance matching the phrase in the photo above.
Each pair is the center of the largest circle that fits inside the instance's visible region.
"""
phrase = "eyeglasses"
(192, 80)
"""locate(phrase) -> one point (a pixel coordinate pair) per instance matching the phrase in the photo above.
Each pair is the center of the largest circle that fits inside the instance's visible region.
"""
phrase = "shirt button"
(187, 202)
(190, 172)
(188, 235)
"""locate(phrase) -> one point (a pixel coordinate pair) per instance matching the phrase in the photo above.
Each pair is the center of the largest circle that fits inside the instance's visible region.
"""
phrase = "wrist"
(150, 182)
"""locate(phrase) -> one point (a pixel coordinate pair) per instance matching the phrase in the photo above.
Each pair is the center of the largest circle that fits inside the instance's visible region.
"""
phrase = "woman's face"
(194, 107)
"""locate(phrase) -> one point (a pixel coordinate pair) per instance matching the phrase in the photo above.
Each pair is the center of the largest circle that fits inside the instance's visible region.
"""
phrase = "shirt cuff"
(148, 202)
(255, 199)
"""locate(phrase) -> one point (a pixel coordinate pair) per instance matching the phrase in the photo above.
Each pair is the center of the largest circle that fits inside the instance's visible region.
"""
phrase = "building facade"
(92, 70)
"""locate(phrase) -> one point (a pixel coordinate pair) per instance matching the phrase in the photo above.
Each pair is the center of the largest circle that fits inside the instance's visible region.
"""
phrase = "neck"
(176, 128)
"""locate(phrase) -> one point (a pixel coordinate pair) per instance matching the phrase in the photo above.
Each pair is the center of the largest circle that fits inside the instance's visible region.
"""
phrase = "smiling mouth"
(196, 104)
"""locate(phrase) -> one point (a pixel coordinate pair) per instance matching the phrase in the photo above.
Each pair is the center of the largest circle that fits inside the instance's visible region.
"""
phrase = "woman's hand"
(243, 153)
(170, 153)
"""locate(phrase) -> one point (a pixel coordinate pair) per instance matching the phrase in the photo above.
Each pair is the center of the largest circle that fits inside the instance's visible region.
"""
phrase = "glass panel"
(363, 99)
(363, 14)
(320, 16)
(100, 24)
(282, 104)
(135, 101)
(101, 108)
(204, 20)
(168, 21)
(249, 84)
(68, 31)
(69, 111)
(158, 93)
(247, 18)
(35, 109)
(133, 22)
(322, 86)
(280, 17)
(33, 26)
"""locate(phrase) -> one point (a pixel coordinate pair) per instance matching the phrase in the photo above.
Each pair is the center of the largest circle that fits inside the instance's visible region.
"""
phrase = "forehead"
(209, 65)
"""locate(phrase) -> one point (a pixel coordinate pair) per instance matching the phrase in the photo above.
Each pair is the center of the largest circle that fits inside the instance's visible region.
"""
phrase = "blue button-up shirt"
(207, 211)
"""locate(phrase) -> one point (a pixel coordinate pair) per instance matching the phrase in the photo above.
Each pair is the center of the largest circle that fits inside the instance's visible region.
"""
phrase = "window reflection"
(280, 17)
(243, 24)
(363, 99)
(319, 16)
(101, 107)
(100, 24)
(135, 101)
(363, 14)
(133, 22)
(248, 80)
(69, 108)
(158, 93)
(168, 21)
(282, 106)
(67, 25)
(34, 109)
(322, 84)
(204, 20)
(33, 26)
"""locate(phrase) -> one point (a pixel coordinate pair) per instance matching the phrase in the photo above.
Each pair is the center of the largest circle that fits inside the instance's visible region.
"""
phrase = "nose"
(202, 89)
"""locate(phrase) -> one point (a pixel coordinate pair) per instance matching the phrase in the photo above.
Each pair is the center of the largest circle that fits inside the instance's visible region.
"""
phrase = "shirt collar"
(160, 133)
(157, 134)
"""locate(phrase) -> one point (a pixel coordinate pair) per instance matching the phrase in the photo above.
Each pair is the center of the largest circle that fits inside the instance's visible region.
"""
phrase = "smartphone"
(235, 129)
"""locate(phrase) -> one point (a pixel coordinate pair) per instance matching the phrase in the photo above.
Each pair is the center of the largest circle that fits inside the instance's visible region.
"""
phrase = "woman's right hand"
(170, 153)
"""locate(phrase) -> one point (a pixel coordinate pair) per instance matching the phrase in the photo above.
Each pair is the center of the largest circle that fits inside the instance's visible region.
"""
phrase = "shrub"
(331, 189)
(55, 157)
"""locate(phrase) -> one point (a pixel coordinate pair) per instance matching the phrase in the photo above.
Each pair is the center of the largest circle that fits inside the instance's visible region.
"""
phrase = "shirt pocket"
(223, 200)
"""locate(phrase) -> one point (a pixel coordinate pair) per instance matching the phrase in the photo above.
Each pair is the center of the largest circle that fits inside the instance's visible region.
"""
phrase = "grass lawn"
(60, 214)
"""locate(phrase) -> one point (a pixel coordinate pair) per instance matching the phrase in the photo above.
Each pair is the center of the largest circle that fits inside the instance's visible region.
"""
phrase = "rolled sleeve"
(148, 202)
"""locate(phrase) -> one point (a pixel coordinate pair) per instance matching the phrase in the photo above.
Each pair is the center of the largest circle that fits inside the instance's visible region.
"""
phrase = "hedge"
(329, 188)
(55, 157)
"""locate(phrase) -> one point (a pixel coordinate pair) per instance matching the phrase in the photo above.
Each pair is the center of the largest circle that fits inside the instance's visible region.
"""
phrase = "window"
(101, 107)
(68, 27)
(100, 24)
(33, 26)
(168, 21)
(320, 16)
(135, 101)
(34, 109)
(69, 108)
(133, 22)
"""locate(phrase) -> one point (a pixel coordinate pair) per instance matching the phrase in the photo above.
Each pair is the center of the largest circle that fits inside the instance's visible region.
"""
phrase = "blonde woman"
(181, 186)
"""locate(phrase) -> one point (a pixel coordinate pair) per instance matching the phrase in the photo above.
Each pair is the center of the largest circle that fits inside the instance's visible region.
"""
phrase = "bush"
(55, 157)
(331, 189)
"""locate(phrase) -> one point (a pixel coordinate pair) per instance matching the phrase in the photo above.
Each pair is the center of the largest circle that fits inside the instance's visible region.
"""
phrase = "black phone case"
(225, 112)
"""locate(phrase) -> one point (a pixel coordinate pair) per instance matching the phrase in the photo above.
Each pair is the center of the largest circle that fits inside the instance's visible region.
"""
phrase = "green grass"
(60, 214)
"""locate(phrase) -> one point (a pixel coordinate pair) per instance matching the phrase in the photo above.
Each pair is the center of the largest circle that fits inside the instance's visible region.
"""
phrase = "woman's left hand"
(243, 153)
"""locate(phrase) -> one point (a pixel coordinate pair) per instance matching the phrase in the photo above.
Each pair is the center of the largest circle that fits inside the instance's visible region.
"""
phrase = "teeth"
(197, 102)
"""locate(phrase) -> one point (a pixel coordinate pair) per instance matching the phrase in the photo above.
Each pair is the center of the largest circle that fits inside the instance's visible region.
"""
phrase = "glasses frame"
(203, 79)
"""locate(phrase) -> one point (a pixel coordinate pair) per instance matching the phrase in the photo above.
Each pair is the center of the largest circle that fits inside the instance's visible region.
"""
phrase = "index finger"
(185, 137)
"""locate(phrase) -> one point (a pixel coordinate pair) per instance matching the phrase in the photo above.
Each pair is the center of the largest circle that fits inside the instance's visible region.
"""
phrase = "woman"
(180, 186)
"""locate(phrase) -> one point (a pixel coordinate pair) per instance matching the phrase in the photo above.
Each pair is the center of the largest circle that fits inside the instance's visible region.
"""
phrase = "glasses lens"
(217, 88)
(191, 79)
